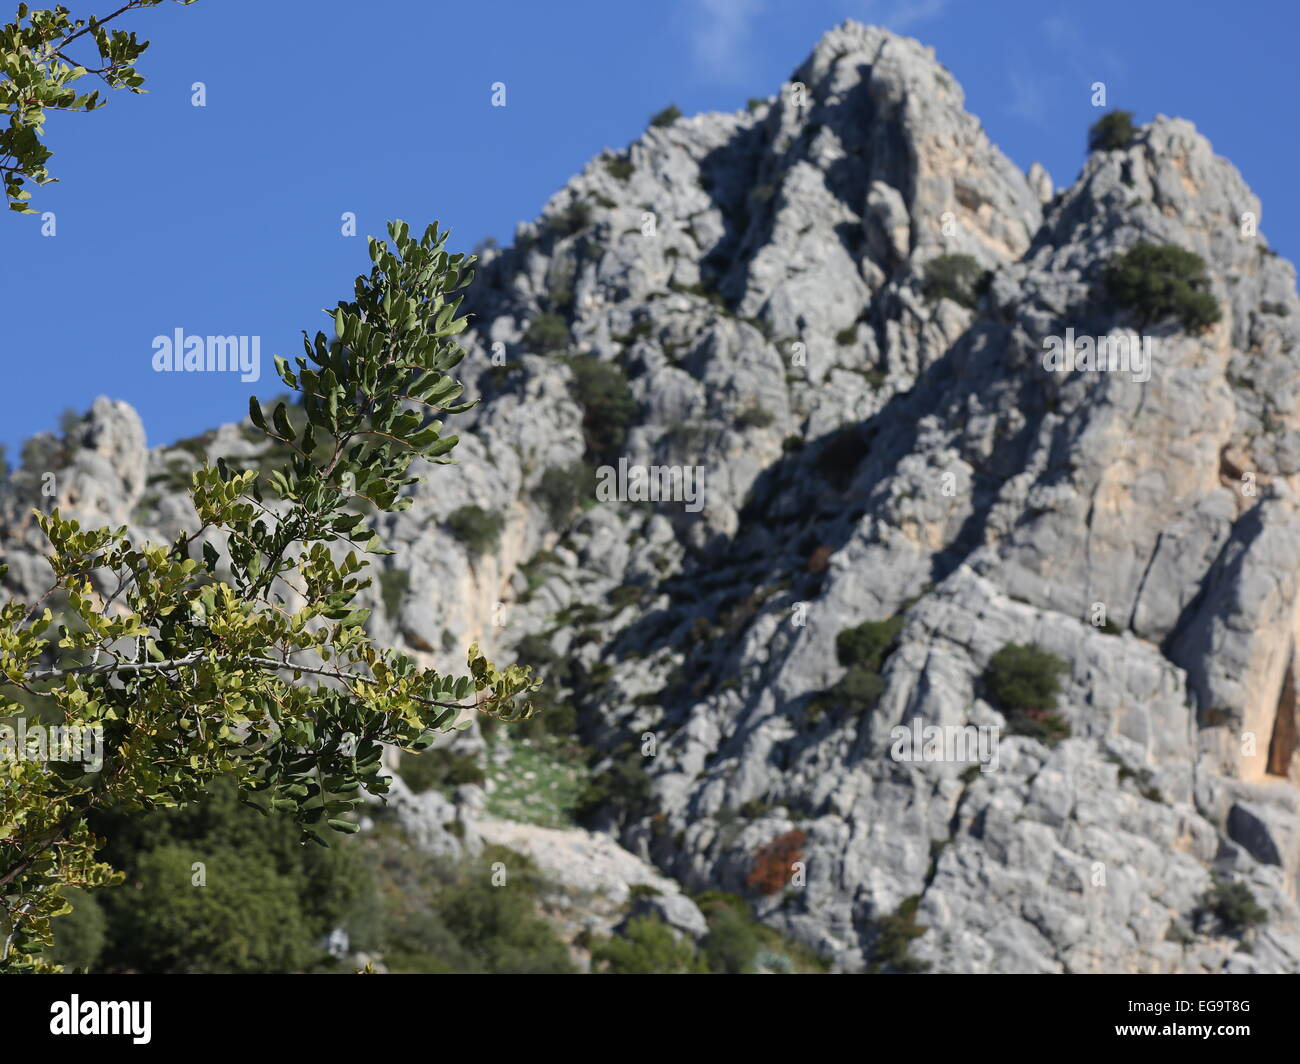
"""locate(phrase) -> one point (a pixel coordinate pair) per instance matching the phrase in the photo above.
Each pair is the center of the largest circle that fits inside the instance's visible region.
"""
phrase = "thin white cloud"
(720, 36)
(1027, 99)
(1060, 30)
(904, 14)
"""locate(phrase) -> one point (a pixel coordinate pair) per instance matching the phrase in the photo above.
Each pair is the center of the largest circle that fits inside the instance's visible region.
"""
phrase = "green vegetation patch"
(1112, 132)
(1162, 281)
(1023, 682)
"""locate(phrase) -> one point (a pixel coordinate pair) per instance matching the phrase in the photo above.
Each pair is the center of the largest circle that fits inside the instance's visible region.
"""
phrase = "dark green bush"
(956, 277)
(442, 769)
(267, 903)
(863, 651)
(247, 918)
(1235, 906)
(573, 219)
(564, 489)
(498, 925)
(1023, 682)
(1111, 132)
(667, 116)
(754, 416)
(626, 595)
(732, 943)
(608, 406)
(619, 167)
(477, 529)
(392, 588)
(534, 570)
(79, 936)
(625, 785)
(890, 952)
(868, 643)
(647, 946)
(1161, 281)
(702, 289)
(859, 690)
(547, 333)
(441, 918)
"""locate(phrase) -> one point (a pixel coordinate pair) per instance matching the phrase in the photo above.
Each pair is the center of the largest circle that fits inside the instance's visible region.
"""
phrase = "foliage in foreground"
(37, 74)
(239, 650)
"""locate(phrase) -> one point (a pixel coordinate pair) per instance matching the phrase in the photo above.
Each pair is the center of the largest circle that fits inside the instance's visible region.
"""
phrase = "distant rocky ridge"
(872, 453)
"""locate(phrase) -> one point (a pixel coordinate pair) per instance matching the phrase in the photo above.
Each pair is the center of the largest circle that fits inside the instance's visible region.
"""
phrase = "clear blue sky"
(225, 219)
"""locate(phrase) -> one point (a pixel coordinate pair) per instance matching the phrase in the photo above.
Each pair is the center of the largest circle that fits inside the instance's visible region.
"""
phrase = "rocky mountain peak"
(887, 462)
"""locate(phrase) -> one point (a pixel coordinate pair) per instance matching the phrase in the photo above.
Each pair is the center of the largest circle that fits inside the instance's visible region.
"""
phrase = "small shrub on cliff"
(956, 277)
(862, 650)
(608, 406)
(755, 416)
(868, 643)
(667, 116)
(392, 588)
(573, 219)
(1024, 682)
(1162, 281)
(563, 489)
(1235, 906)
(619, 167)
(1111, 132)
(547, 333)
(477, 529)
(894, 935)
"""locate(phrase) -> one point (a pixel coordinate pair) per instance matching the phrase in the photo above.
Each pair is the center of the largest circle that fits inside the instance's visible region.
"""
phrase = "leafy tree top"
(37, 74)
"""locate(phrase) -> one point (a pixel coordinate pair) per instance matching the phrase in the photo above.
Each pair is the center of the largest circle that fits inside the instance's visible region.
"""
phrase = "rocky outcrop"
(870, 451)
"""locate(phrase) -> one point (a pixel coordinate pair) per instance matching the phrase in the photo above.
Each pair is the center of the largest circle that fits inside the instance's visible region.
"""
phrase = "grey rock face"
(870, 452)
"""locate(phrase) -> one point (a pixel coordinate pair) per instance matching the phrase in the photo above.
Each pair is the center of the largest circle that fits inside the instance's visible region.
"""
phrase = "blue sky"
(225, 219)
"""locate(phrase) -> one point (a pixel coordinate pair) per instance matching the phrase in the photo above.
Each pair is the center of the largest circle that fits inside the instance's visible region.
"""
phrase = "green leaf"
(281, 419)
